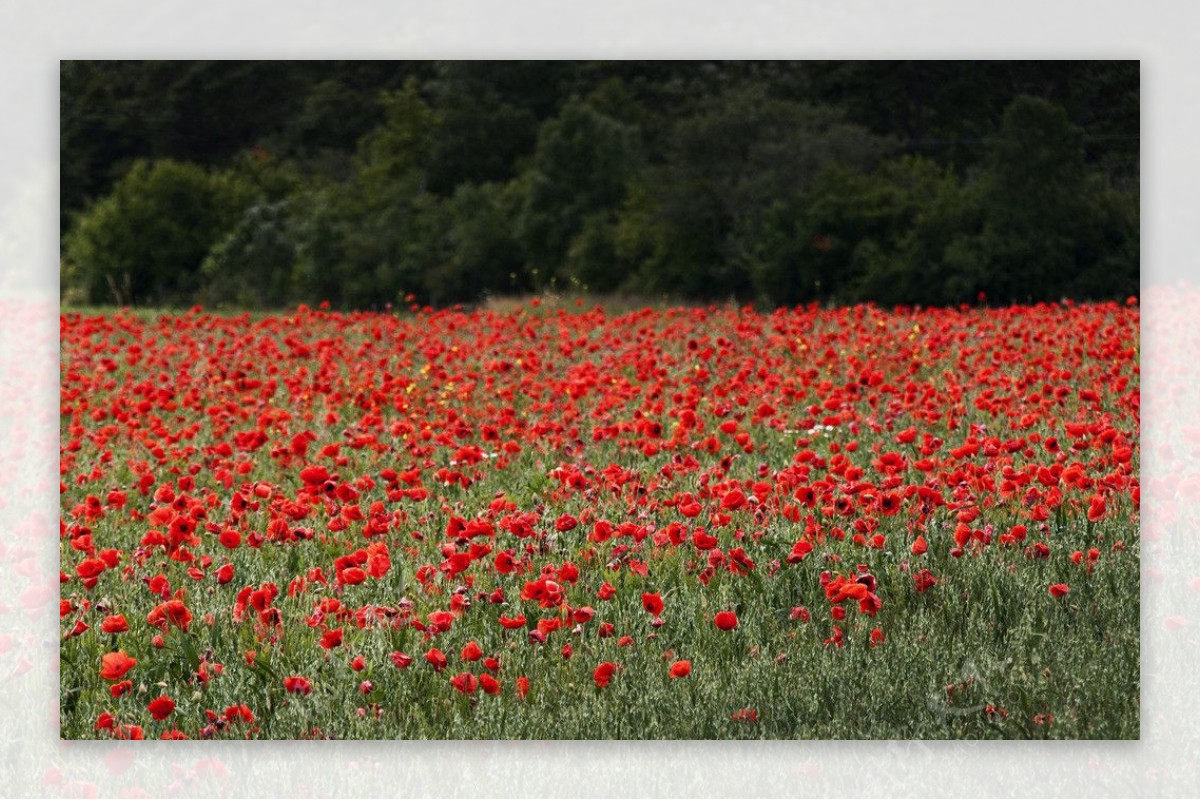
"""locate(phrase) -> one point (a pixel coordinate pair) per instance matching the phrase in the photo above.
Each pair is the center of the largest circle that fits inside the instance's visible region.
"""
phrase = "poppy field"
(557, 521)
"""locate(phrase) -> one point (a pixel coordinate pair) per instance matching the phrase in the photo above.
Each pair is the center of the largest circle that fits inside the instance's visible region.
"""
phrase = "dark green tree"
(730, 170)
(144, 242)
(582, 164)
(490, 111)
(367, 241)
(1034, 196)
(362, 181)
(851, 237)
(482, 254)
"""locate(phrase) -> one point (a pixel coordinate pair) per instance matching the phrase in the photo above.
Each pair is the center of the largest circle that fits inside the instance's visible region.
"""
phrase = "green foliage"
(1034, 196)
(483, 253)
(145, 241)
(491, 112)
(880, 236)
(593, 262)
(1045, 213)
(730, 169)
(367, 240)
(319, 231)
(782, 182)
(252, 266)
(582, 163)
(394, 156)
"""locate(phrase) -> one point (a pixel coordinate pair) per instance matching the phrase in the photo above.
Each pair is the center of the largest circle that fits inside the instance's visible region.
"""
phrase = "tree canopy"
(264, 184)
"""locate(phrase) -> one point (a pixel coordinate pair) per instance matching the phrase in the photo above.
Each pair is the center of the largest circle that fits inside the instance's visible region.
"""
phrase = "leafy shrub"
(252, 265)
(145, 241)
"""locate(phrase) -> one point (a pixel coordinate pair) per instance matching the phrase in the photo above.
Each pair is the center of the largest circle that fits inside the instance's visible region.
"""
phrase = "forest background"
(264, 184)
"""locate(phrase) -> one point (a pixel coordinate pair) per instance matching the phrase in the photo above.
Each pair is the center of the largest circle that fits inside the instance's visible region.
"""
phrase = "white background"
(35, 35)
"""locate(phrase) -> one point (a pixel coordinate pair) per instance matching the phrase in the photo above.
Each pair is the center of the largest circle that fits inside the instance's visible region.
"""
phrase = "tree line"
(266, 184)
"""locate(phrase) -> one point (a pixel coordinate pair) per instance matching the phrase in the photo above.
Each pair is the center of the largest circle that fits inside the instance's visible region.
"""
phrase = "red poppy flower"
(161, 707)
(465, 682)
(160, 586)
(653, 603)
(734, 499)
(471, 652)
(745, 715)
(351, 576)
(725, 620)
(851, 591)
(129, 732)
(113, 666)
(1059, 589)
(800, 550)
(90, 568)
(331, 638)
(924, 580)
(837, 639)
(603, 674)
(172, 612)
(238, 713)
(681, 669)
(437, 659)
(379, 560)
(505, 562)
(512, 623)
(297, 685)
(870, 605)
(489, 684)
(441, 621)
(314, 475)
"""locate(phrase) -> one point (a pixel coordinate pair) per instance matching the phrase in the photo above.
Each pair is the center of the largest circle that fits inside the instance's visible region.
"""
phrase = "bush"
(482, 253)
(252, 265)
(144, 242)
(581, 167)
(856, 236)
(1035, 197)
(734, 176)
